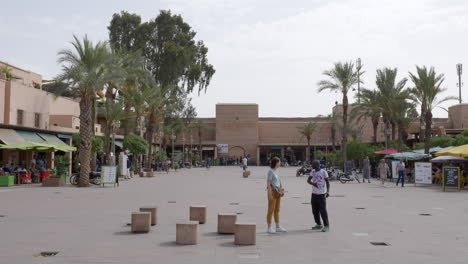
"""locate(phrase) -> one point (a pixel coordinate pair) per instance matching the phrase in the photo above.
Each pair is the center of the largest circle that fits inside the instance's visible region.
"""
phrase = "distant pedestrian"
(275, 191)
(401, 173)
(366, 170)
(208, 162)
(320, 191)
(383, 171)
(244, 163)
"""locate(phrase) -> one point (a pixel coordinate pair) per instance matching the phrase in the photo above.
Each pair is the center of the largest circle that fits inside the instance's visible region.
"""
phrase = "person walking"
(244, 163)
(366, 170)
(320, 191)
(383, 171)
(401, 173)
(274, 191)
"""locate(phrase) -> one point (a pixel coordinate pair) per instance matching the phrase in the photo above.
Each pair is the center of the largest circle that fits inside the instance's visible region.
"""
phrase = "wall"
(26, 78)
(458, 115)
(283, 133)
(2, 99)
(237, 125)
(31, 101)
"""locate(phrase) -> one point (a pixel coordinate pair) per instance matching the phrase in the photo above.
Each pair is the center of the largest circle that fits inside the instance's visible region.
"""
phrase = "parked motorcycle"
(348, 177)
(304, 170)
(94, 178)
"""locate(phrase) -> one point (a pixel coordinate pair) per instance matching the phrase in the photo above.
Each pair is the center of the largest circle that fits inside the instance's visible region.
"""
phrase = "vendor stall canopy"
(448, 159)
(408, 156)
(460, 151)
(31, 141)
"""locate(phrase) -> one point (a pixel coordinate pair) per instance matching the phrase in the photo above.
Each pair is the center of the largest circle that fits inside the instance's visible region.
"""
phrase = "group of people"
(383, 171)
(318, 179)
(36, 166)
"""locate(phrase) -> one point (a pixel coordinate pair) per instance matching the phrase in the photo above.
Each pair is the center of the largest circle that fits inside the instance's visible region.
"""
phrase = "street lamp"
(183, 147)
(459, 72)
(191, 149)
(358, 67)
(173, 137)
(115, 124)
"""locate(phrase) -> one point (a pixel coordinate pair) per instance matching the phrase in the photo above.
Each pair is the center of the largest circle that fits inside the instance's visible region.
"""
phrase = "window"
(37, 119)
(19, 117)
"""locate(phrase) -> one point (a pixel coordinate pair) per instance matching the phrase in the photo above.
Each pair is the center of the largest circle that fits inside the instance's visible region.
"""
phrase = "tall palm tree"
(341, 78)
(369, 108)
(307, 131)
(84, 69)
(427, 90)
(390, 91)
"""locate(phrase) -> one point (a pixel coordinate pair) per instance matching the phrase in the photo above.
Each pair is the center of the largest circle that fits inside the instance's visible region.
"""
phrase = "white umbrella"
(445, 159)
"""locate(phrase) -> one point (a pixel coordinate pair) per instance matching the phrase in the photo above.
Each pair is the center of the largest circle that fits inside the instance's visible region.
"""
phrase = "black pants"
(319, 208)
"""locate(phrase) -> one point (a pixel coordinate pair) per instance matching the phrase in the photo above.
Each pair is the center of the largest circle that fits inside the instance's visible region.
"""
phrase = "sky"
(269, 52)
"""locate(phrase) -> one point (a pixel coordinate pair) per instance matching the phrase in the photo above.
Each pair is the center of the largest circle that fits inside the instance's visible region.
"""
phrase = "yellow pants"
(273, 209)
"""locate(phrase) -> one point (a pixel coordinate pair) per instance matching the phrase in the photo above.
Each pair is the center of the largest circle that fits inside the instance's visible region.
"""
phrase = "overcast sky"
(269, 52)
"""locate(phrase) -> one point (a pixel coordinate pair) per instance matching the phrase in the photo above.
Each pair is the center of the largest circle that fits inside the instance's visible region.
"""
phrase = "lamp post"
(459, 73)
(191, 148)
(358, 67)
(173, 137)
(115, 124)
(183, 148)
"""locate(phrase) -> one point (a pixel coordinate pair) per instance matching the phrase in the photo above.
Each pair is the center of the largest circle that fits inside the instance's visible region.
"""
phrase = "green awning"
(64, 136)
(39, 147)
(51, 139)
(119, 143)
(30, 136)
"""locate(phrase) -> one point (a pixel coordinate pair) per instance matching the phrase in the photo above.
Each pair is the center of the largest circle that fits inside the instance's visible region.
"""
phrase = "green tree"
(443, 142)
(341, 78)
(307, 131)
(7, 71)
(390, 91)
(137, 145)
(427, 91)
(369, 108)
(84, 70)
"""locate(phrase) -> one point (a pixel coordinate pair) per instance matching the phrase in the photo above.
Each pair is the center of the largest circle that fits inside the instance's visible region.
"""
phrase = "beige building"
(245, 133)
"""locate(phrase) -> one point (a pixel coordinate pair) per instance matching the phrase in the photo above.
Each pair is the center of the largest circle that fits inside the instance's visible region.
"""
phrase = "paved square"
(90, 225)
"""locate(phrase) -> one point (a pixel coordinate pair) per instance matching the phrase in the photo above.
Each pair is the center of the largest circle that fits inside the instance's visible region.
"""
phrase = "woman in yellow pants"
(274, 203)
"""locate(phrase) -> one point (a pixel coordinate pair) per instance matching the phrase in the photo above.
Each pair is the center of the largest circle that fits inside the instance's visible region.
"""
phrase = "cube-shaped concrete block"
(246, 174)
(187, 233)
(227, 223)
(245, 234)
(154, 213)
(198, 213)
(141, 222)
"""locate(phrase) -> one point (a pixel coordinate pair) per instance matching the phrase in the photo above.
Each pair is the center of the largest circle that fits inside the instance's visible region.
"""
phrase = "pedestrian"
(168, 165)
(244, 163)
(208, 162)
(383, 171)
(274, 191)
(401, 173)
(320, 191)
(366, 170)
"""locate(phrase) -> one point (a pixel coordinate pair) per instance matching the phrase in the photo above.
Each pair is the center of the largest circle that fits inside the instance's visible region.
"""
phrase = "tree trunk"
(149, 138)
(93, 132)
(308, 150)
(333, 137)
(375, 125)
(86, 133)
(428, 132)
(393, 130)
(387, 134)
(200, 143)
(107, 128)
(421, 121)
(344, 140)
(126, 124)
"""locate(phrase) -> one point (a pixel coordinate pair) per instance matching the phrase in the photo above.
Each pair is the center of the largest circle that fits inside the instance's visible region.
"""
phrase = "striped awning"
(51, 138)
(30, 136)
(9, 136)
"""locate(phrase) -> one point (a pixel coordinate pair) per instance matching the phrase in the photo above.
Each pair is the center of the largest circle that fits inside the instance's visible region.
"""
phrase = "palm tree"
(390, 91)
(200, 126)
(84, 69)
(427, 90)
(342, 77)
(307, 131)
(369, 108)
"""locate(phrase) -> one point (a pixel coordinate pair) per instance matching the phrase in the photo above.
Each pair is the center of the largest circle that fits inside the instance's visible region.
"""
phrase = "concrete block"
(246, 174)
(141, 222)
(154, 213)
(227, 223)
(53, 182)
(245, 234)
(187, 233)
(198, 213)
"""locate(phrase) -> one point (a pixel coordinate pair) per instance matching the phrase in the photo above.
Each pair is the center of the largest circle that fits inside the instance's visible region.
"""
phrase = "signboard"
(108, 175)
(348, 167)
(423, 172)
(451, 177)
(222, 148)
(394, 169)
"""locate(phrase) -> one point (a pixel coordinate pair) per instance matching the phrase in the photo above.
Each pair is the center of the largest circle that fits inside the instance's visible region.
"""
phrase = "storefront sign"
(423, 172)
(108, 175)
(222, 148)
(451, 177)
(394, 169)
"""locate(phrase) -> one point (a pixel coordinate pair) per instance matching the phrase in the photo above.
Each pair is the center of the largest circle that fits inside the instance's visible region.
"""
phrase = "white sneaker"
(280, 229)
(271, 230)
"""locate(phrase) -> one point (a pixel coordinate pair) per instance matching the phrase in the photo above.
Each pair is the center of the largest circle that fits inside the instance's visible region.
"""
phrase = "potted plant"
(59, 174)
